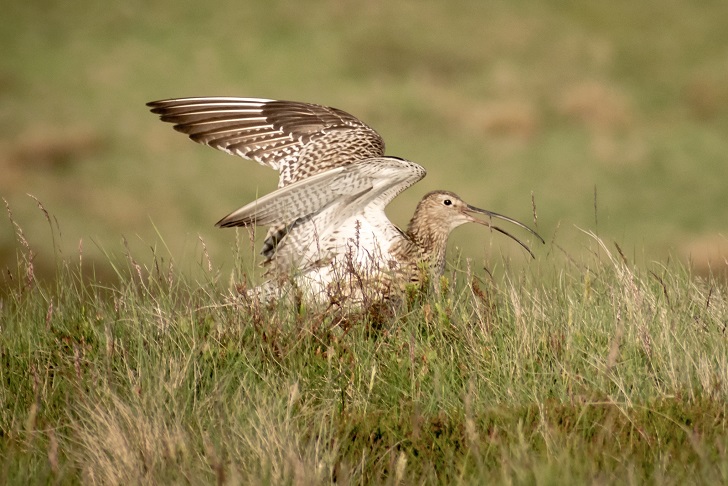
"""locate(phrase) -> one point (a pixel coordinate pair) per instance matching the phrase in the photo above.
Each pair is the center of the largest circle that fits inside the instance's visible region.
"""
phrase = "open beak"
(471, 209)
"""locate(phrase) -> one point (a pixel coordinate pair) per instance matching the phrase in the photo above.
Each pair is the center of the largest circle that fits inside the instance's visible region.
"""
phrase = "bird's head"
(443, 211)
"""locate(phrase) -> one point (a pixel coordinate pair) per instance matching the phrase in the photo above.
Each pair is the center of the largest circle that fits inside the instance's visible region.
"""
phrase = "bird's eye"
(447, 202)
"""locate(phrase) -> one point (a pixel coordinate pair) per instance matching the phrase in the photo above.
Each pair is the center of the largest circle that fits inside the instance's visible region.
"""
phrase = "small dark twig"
(621, 253)
(664, 287)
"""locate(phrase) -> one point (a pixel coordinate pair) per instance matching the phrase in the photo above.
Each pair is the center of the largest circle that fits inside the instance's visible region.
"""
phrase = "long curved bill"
(492, 215)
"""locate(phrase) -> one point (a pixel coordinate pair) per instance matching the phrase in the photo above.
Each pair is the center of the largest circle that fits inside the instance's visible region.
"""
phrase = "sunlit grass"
(568, 371)
(126, 355)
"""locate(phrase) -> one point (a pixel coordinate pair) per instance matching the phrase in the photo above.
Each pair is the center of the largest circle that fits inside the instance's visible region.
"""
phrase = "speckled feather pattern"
(326, 219)
(296, 139)
(321, 212)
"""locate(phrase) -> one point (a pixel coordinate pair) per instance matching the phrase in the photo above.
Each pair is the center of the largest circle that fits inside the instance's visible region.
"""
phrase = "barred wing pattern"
(296, 139)
(334, 184)
(318, 212)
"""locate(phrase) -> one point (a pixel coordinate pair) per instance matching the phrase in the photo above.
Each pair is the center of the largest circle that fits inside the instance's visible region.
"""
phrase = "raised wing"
(371, 181)
(296, 139)
(315, 215)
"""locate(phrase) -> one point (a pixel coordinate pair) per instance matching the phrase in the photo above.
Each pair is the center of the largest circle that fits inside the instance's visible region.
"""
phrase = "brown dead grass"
(600, 106)
(608, 114)
(708, 255)
(706, 96)
(41, 147)
(126, 445)
(515, 117)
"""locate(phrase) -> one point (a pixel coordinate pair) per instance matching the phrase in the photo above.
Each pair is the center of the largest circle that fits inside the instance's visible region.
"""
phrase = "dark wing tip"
(228, 222)
(157, 105)
(164, 106)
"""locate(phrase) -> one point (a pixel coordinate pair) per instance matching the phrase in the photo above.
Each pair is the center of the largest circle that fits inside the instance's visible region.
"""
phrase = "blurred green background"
(498, 100)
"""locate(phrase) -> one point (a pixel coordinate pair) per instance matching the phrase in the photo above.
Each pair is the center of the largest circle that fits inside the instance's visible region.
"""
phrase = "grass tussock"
(566, 372)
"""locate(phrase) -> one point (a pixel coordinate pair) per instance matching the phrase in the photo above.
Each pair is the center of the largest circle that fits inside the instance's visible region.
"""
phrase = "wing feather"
(306, 215)
(368, 182)
(297, 139)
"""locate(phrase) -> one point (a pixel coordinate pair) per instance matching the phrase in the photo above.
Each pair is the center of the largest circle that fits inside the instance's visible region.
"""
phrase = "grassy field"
(125, 358)
(568, 373)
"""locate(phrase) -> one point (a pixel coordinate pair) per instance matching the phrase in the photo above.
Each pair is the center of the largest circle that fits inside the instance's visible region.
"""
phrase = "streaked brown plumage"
(326, 218)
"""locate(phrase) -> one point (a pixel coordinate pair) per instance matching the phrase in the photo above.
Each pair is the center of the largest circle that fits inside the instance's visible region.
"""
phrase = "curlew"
(328, 231)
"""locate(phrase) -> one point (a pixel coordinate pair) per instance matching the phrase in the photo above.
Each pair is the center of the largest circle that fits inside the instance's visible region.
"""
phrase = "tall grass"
(566, 372)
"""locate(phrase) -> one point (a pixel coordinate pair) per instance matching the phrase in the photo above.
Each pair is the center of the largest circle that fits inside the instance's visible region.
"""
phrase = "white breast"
(358, 250)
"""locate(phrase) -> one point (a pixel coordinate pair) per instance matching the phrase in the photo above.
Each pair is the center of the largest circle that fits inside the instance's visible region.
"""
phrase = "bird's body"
(328, 230)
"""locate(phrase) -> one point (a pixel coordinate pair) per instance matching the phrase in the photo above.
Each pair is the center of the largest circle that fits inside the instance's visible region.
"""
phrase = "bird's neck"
(429, 242)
